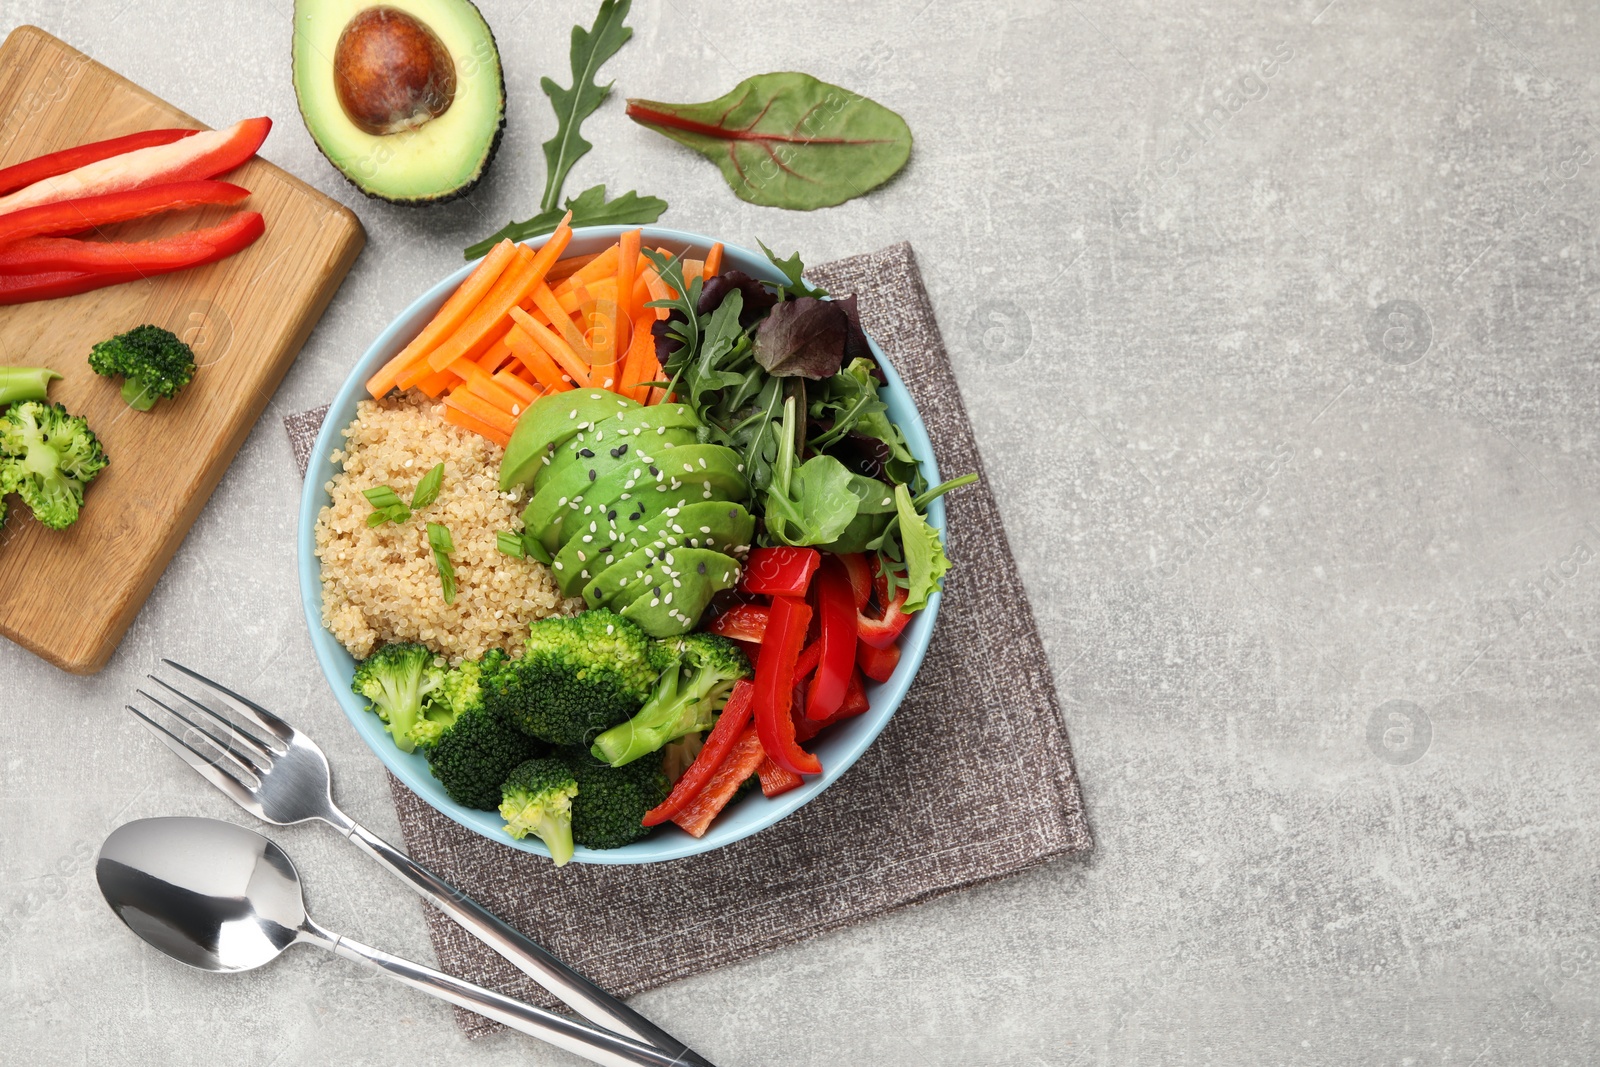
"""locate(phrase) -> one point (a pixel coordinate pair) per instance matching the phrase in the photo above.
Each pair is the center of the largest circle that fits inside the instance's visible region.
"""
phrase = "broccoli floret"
(48, 456)
(699, 672)
(478, 747)
(153, 362)
(457, 691)
(577, 676)
(397, 680)
(609, 810)
(537, 799)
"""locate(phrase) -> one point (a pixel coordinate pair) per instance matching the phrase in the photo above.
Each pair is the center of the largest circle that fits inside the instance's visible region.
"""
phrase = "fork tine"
(221, 744)
(248, 708)
(235, 732)
(208, 770)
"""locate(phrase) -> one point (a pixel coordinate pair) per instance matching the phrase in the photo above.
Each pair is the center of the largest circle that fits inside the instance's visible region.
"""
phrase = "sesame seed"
(706, 494)
(655, 601)
(702, 462)
(661, 429)
(702, 567)
(587, 538)
(582, 558)
(668, 598)
(740, 468)
(592, 526)
(559, 565)
(561, 502)
(572, 414)
(593, 474)
(705, 529)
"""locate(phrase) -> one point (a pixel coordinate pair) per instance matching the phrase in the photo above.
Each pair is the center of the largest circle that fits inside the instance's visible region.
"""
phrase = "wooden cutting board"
(70, 595)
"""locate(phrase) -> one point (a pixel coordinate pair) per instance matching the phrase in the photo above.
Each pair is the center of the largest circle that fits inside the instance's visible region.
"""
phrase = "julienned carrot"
(457, 417)
(566, 268)
(640, 364)
(480, 409)
(602, 337)
(525, 393)
(557, 347)
(447, 318)
(692, 269)
(713, 266)
(546, 371)
(476, 380)
(659, 290)
(562, 323)
(598, 267)
(434, 384)
(496, 356)
(479, 330)
(627, 269)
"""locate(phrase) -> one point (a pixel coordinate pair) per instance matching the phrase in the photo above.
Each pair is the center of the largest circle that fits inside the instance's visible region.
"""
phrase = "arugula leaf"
(589, 208)
(851, 399)
(793, 270)
(589, 51)
(788, 139)
(924, 556)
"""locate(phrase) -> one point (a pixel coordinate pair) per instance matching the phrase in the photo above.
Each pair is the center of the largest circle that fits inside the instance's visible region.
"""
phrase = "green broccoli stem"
(18, 384)
(138, 394)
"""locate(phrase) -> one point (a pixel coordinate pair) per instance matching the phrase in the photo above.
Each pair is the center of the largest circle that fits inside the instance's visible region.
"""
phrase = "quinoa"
(380, 584)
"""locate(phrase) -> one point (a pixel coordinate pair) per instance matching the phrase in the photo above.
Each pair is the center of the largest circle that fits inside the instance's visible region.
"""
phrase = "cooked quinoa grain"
(379, 584)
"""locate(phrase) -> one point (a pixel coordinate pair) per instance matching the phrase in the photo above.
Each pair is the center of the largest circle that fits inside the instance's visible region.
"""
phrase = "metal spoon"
(222, 898)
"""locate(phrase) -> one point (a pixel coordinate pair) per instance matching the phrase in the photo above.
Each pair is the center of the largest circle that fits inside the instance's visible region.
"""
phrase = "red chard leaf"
(803, 338)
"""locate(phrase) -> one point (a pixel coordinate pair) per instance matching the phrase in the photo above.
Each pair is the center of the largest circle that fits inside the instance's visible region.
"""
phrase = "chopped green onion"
(428, 489)
(387, 506)
(439, 540)
(510, 543)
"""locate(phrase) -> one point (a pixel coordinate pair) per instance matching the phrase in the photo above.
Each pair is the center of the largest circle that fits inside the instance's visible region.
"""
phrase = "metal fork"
(279, 775)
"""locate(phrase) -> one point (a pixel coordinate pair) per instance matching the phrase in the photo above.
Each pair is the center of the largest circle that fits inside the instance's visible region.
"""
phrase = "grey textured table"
(1286, 387)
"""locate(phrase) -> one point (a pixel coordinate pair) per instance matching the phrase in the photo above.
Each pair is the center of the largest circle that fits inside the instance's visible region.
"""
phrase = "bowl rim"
(841, 747)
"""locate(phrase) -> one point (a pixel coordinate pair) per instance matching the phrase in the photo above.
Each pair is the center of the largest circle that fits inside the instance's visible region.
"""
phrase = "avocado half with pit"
(405, 98)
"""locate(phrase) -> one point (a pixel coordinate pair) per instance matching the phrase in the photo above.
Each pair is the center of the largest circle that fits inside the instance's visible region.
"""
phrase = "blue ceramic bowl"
(839, 747)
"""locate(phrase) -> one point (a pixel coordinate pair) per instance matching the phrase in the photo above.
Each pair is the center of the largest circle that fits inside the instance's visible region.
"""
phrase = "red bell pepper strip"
(205, 155)
(742, 622)
(775, 673)
(41, 167)
(22, 288)
(855, 564)
(807, 661)
(39, 255)
(730, 726)
(741, 763)
(779, 571)
(877, 663)
(836, 605)
(76, 216)
(883, 632)
(855, 702)
(855, 697)
(775, 781)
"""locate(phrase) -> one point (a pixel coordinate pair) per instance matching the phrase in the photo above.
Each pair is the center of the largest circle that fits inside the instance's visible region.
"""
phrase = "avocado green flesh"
(570, 466)
(640, 429)
(669, 609)
(719, 524)
(439, 160)
(551, 420)
(718, 478)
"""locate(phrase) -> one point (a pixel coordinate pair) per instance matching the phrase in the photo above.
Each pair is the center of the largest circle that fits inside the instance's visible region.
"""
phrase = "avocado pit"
(391, 72)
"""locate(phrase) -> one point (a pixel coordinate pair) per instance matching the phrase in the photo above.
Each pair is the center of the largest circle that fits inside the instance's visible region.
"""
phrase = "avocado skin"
(438, 198)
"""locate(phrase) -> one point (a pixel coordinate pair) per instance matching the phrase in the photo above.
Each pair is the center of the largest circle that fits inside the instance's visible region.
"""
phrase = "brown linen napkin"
(905, 824)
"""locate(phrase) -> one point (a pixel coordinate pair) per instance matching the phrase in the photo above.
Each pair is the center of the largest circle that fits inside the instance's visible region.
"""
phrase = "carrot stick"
(602, 336)
(561, 322)
(496, 356)
(659, 290)
(525, 393)
(546, 371)
(434, 384)
(476, 380)
(557, 347)
(460, 418)
(627, 270)
(449, 317)
(640, 364)
(713, 265)
(692, 269)
(599, 267)
(479, 330)
(566, 268)
(480, 409)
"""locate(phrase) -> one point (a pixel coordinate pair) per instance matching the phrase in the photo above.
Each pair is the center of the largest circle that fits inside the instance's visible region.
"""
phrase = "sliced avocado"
(576, 478)
(719, 524)
(669, 609)
(620, 582)
(645, 428)
(712, 468)
(552, 420)
(405, 98)
(605, 454)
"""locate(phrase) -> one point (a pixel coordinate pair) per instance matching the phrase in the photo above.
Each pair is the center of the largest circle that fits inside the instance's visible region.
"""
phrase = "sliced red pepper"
(39, 168)
(883, 632)
(775, 672)
(192, 248)
(855, 702)
(807, 661)
(22, 288)
(836, 606)
(204, 155)
(741, 763)
(730, 726)
(76, 216)
(742, 622)
(775, 781)
(877, 663)
(855, 564)
(855, 697)
(779, 571)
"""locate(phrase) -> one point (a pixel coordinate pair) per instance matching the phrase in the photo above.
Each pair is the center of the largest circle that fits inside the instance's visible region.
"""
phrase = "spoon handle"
(527, 955)
(597, 1046)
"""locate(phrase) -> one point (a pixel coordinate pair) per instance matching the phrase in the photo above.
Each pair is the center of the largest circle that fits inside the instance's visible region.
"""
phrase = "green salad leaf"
(787, 139)
(924, 556)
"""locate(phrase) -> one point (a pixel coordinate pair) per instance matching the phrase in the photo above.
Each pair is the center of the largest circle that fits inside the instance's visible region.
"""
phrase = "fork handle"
(578, 992)
(597, 1046)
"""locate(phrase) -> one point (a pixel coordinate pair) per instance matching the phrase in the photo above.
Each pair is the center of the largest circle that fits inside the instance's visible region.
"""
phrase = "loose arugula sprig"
(590, 50)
